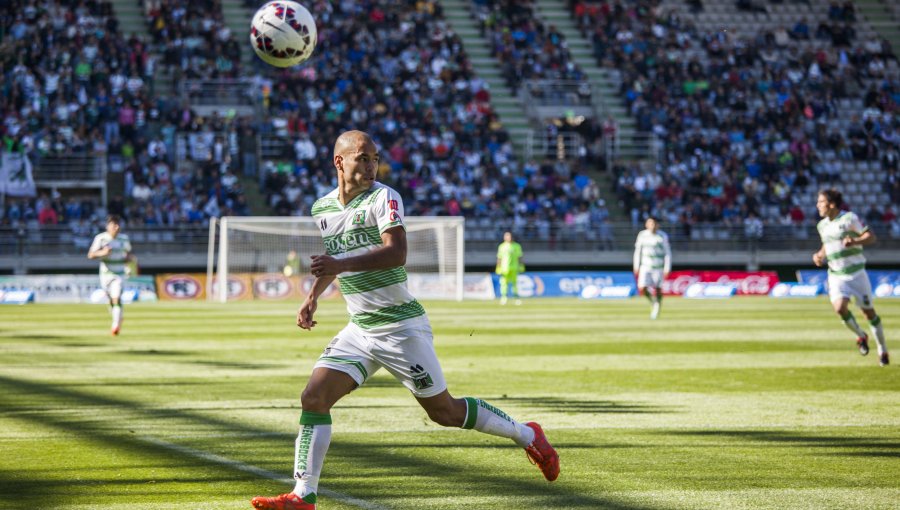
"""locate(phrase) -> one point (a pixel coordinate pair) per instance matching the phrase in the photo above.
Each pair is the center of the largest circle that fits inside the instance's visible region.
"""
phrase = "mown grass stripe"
(257, 471)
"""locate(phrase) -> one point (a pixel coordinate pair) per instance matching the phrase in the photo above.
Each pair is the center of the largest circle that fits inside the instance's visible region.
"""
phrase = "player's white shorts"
(650, 278)
(408, 355)
(112, 285)
(858, 287)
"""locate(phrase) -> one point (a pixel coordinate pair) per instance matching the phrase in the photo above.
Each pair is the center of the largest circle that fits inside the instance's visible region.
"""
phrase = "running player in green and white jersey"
(114, 251)
(843, 237)
(365, 244)
(509, 265)
(652, 263)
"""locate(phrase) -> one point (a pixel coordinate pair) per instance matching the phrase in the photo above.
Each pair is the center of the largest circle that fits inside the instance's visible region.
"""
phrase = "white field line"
(262, 473)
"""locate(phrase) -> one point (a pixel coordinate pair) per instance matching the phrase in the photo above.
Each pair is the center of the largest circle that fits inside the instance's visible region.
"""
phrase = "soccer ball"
(283, 33)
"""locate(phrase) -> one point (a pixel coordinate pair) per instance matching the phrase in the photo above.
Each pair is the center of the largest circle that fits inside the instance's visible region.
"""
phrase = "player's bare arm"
(392, 254)
(864, 239)
(99, 253)
(819, 257)
(311, 303)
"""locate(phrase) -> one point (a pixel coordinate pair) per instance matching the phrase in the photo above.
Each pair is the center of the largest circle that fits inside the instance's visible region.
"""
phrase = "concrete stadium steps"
(882, 18)
(237, 18)
(133, 20)
(507, 105)
(555, 13)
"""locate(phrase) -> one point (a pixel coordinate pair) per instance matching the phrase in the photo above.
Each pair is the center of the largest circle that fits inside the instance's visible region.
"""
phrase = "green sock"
(850, 321)
(647, 295)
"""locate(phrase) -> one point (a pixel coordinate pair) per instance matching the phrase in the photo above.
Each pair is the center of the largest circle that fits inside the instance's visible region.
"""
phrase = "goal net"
(269, 257)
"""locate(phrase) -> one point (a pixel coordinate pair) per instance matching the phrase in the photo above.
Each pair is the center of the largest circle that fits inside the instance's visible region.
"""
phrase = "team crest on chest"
(359, 217)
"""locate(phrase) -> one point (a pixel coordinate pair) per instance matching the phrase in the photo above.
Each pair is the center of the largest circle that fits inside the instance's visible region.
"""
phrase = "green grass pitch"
(735, 404)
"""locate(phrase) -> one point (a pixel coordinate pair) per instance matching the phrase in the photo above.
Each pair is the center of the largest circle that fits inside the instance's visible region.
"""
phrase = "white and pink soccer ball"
(283, 33)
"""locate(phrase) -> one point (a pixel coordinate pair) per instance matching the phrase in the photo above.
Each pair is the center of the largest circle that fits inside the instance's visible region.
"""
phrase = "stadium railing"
(540, 144)
(555, 98)
(638, 147)
(224, 95)
(79, 172)
(481, 234)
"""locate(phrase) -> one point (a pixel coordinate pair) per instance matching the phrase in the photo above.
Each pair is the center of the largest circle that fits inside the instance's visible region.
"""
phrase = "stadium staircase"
(606, 82)
(237, 18)
(508, 106)
(884, 17)
(132, 20)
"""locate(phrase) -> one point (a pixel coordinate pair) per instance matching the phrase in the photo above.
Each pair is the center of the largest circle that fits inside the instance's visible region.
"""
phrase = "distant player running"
(365, 244)
(114, 251)
(652, 263)
(509, 265)
(843, 237)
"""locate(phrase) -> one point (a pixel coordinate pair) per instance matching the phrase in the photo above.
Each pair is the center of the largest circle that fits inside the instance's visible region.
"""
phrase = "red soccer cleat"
(541, 454)
(289, 501)
(862, 343)
(115, 329)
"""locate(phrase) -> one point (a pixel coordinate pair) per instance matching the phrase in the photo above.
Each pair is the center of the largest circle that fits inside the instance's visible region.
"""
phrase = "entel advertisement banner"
(72, 288)
(789, 290)
(748, 283)
(884, 283)
(566, 284)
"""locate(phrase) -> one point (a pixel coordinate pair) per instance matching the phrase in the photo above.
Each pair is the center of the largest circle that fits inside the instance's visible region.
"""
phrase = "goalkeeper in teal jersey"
(509, 265)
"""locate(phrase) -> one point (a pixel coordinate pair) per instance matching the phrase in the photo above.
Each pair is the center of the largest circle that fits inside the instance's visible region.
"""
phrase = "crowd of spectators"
(526, 48)
(193, 39)
(397, 68)
(746, 126)
(74, 85)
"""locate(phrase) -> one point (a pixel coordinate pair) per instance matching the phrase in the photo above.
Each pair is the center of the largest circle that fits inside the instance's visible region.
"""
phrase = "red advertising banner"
(748, 283)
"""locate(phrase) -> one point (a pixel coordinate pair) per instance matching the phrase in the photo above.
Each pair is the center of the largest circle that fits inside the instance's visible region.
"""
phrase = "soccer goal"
(271, 256)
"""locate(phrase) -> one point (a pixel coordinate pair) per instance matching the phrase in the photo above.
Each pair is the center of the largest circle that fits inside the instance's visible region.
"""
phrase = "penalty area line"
(260, 472)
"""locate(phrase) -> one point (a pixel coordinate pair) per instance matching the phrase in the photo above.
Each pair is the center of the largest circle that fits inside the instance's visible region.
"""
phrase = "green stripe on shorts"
(359, 366)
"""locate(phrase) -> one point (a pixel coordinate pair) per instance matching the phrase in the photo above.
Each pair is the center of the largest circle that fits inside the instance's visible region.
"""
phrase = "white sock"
(852, 325)
(309, 453)
(117, 315)
(878, 333)
(486, 418)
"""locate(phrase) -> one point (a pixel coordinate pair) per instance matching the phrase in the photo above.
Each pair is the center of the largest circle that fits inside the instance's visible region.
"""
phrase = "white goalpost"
(253, 261)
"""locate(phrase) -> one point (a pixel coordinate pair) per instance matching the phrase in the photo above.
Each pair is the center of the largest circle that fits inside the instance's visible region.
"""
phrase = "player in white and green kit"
(114, 251)
(365, 249)
(652, 263)
(843, 237)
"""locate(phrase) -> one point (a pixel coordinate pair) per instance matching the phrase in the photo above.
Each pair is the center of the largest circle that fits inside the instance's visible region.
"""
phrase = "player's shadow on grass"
(157, 352)
(561, 405)
(234, 364)
(856, 446)
(370, 461)
(32, 337)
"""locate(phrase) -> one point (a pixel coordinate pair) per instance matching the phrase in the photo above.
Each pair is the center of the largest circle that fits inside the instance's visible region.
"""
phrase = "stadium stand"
(752, 117)
(399, 69)
(526, 48)
(75, 89)
(444, 148)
